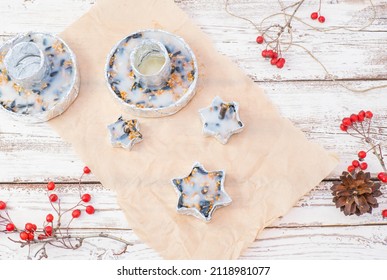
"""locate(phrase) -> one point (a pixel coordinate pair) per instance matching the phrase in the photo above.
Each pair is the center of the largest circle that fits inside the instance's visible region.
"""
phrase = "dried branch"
(58, 236)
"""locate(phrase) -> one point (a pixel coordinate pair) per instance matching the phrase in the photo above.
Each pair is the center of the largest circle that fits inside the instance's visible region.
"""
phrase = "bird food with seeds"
(152, 73)
(38, 77)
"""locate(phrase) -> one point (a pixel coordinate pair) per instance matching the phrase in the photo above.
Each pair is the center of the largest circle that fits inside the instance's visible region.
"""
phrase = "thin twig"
(291, 17)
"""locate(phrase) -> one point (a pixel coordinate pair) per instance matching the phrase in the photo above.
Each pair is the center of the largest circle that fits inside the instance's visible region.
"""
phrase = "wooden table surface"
(30, 155)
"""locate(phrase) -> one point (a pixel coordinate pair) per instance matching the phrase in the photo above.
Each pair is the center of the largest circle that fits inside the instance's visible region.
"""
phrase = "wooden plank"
(349, 55)
(29, 203)
(346, 243)
(318, 117)
(40, 15)
(353, 242)
(341, 51)
(313, 229)
(95, 248)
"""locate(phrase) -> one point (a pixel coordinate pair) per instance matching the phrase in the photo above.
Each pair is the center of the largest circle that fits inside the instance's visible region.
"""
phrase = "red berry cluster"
(359, 125)
(55, 235)
(317, 15)
(30, 229)
(76, 213)
(353, 119)
(48, 227)
(273, 55)
(28, 234)
(9, 225)
(382, 176)
(360, 164)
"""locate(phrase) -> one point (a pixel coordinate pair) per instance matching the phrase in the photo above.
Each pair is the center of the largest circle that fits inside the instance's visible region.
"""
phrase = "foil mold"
(39, 78)
(201, 192)
(151, 73)
(125, 133)
(221, 119)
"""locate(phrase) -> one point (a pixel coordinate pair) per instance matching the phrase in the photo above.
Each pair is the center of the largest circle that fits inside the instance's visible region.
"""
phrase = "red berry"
(384, 213)
(29, 227)
(362, 154)
(363, 166)
(90, 210)
(355, 163)
(260, 39)
(48, 230)
(34, 227)
(361, 116)
(49, 218)
(42, 236)
(314, 15)
(86, 170)
(321, 19)
(347, 122)
(10, 227)
(76, 213)
(264, 53)
(369, 115)
(351, 168)
(53, 197)
(274, 61)
(30, 236)
(269, 54)
(343, 127)
(281, 62)
(51, 186)
(353, 118)
(275, 55)
(23, 235)
(3, 205)
(381, 176)
(86, 197)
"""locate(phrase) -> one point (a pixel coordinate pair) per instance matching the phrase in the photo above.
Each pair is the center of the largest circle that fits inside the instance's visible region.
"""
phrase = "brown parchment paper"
(269, 166)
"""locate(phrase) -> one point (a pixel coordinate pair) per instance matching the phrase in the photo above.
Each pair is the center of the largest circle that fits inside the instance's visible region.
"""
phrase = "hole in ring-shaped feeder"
(26, 64)
(151, 64)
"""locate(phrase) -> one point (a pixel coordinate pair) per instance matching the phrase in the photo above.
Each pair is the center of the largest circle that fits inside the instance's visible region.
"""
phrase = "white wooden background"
(314, 228)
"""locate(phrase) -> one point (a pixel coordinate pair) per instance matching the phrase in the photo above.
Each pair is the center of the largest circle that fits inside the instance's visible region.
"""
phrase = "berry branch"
(276, 45)
(356, 193)
(360, 126)
(56, 236)
(273, 47)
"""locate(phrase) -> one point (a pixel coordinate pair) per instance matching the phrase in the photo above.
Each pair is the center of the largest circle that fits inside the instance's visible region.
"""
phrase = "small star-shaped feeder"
(125, 133)
(221, 119)
(201, 192)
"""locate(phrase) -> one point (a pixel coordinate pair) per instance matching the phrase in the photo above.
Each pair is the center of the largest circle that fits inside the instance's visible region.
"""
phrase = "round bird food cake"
(38, 77)
(152, 73)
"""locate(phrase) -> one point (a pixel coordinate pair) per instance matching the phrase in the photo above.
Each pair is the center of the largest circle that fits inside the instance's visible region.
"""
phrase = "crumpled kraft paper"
(269, 166)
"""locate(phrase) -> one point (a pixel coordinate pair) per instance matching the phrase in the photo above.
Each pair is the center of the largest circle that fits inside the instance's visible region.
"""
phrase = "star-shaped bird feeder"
(125, 133)
(221, 120)
(201, 192)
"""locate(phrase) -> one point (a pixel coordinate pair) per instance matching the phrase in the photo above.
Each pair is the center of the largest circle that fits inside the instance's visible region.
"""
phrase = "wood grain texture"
(318, 117)
(312, 210)
(314, 228)
(352, 242)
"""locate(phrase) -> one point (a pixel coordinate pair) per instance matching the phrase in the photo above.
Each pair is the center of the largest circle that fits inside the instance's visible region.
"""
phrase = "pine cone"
(356, 194)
